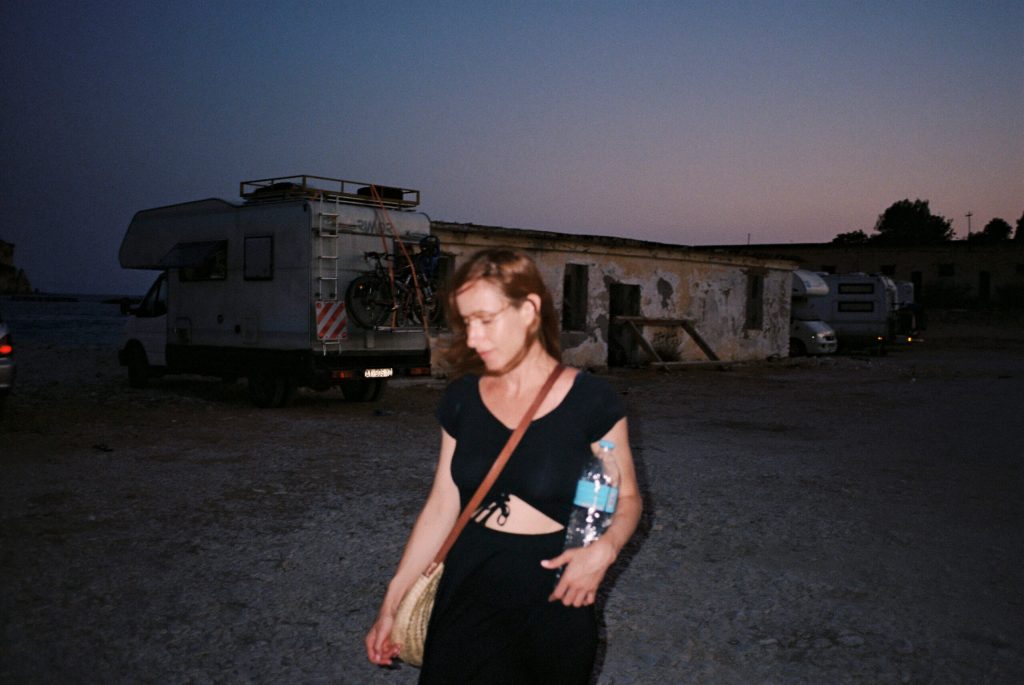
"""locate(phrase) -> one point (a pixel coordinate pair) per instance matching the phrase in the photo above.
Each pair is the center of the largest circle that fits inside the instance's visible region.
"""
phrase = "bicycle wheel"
(411, 309)
(435, 304)
(411, 303)
(368, 300)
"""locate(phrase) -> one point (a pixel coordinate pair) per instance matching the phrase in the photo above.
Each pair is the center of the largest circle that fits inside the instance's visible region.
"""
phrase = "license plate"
(378, 373)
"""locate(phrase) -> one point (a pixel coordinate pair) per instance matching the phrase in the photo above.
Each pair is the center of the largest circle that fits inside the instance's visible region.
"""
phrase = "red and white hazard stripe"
(331, 320)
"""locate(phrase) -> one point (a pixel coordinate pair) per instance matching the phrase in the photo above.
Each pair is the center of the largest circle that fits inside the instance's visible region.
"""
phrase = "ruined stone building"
(738, 304)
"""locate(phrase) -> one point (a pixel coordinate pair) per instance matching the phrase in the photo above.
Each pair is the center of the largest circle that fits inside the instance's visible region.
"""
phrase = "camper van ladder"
(327, 256)
(330, 311)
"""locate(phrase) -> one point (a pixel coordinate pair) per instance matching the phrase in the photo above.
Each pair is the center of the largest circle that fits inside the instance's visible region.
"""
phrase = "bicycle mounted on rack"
(392, 294)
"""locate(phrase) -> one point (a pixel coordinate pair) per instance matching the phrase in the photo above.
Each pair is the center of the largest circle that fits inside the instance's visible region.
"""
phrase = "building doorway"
(623, 300)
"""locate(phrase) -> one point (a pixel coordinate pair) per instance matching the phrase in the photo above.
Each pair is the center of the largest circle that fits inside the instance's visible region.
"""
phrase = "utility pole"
(969, 214)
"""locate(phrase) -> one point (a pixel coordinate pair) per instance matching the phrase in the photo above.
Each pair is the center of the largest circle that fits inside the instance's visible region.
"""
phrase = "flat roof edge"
(697, 252)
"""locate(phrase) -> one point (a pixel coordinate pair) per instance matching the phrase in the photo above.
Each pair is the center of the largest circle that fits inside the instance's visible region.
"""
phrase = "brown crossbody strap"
(496, 469)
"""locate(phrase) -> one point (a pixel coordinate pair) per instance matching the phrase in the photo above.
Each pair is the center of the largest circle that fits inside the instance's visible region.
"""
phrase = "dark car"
(6, 362)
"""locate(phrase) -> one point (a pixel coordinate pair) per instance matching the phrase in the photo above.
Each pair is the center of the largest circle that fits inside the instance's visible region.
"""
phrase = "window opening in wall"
(445, 267)
(574, 297)
(946, 271)
(755, 301)
(259, 258)
(918, 279)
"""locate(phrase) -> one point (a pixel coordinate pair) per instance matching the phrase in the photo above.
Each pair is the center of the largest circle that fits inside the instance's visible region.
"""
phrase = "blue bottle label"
(603, 498)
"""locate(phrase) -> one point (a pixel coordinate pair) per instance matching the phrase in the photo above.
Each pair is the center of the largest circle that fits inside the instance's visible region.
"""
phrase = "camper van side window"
(155, 301)
(214, 266)
(259, 258)
(856, 288)
(856, 306)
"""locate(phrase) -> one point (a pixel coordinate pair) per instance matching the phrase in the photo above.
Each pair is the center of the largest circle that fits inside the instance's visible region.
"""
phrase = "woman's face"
(495, 328)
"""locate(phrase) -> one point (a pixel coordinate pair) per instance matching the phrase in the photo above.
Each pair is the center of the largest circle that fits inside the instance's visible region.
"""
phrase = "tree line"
(912, 223)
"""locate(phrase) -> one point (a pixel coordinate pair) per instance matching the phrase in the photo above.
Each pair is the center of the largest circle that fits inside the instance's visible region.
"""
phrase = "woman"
(512, 606)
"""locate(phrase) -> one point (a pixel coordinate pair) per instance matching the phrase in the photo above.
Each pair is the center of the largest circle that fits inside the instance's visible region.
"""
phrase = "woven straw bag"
(413, 615)
(410, 630)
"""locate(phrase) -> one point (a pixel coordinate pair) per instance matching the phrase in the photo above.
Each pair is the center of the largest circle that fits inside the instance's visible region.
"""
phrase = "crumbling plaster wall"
(708, 289)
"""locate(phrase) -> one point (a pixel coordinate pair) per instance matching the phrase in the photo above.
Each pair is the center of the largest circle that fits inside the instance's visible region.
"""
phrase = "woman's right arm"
(428, 534)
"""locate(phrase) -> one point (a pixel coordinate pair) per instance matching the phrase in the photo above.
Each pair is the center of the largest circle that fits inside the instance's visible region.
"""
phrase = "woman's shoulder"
(591, 385)
(459, 393)
(596, 404)
(597, 396)
(468, 380)
(461, 387)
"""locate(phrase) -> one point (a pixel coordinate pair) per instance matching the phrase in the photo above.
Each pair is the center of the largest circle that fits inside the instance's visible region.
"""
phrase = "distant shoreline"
(44, 298)
(67, 297)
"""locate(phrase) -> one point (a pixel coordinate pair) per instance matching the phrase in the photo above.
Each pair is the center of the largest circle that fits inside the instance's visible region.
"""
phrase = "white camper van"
(859, 307)
(808, 334)
(257, 289)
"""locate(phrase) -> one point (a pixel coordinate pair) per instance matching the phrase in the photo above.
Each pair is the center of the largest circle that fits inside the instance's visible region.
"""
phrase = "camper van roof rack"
(305, 186)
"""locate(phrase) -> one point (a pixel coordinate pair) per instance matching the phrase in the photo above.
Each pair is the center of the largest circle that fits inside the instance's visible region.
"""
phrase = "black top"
(545, 466)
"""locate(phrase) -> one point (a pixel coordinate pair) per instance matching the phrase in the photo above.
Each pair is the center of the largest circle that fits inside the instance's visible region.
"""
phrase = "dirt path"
(808, 521)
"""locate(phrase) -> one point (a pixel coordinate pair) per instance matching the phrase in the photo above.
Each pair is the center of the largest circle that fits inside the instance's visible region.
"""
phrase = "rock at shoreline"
(12, 279)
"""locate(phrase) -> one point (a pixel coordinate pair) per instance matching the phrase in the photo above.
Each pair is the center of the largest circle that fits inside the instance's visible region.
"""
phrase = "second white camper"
(858, 306)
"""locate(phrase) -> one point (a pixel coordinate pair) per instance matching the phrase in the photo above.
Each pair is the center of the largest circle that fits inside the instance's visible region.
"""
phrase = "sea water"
(64, 319)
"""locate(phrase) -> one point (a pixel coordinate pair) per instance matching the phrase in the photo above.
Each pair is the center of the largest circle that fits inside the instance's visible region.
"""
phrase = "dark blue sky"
(691, 123)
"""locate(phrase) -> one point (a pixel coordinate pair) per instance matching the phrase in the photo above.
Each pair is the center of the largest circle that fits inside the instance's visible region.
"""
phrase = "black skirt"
(492, 622)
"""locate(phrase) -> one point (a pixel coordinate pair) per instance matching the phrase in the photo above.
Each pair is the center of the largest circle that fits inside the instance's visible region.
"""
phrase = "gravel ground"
(841, 520)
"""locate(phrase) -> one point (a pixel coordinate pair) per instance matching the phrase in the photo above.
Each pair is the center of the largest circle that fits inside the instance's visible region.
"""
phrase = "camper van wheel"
(363, 390)
(797, 348)
(270, 390)
(138, 368)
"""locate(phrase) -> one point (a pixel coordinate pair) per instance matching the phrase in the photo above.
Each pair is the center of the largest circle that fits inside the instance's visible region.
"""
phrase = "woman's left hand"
(584, 569)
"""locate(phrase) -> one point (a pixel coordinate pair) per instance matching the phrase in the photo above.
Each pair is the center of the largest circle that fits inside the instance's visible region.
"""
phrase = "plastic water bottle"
(597, 493)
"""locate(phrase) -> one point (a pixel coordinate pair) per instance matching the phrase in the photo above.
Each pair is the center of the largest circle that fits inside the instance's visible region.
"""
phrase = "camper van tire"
(138, 367)
(797, 348)
(363, 389)
(271, 390)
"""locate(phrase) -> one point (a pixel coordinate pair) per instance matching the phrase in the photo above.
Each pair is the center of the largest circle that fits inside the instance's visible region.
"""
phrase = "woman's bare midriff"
(522, 519)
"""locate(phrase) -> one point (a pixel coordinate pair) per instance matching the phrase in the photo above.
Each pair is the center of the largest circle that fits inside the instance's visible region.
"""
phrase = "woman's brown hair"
(515, 274)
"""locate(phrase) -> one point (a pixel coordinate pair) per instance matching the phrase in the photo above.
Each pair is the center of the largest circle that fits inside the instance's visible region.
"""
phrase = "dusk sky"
(678, 122)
